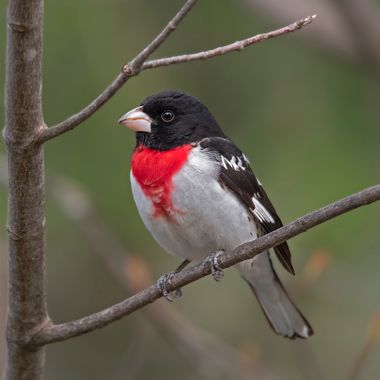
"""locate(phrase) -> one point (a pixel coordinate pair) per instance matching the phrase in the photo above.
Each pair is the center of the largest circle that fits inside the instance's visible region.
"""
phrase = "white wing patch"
(261, 212)
(245, 158)
(234, 163)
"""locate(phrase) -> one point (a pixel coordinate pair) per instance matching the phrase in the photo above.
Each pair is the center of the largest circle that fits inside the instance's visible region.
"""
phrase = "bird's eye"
(167, 116)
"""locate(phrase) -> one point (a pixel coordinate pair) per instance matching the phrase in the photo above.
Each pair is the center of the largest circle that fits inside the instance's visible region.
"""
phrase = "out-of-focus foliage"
(308, 121)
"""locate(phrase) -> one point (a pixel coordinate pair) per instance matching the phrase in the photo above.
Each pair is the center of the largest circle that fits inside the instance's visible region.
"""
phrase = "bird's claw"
(216, 271)
(162, 285)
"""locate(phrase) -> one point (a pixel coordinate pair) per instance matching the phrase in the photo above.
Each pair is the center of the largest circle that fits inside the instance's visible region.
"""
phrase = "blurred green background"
(308, 119)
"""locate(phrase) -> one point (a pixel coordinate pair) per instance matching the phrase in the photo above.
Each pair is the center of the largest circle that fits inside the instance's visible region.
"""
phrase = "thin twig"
(78, 118)
(329, 34)
(346, 28)
(54, 333)
(137, 65)
(137, 62)
(236, 46)
(129, 70)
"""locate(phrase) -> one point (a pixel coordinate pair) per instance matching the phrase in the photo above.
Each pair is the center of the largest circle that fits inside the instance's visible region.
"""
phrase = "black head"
(170, 119)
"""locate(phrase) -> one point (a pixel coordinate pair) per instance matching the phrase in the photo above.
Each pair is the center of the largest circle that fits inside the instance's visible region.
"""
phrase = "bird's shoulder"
(235, 172)
(237, 176)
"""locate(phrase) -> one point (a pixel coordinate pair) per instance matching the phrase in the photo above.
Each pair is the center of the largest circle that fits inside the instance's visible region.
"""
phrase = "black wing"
(237, 175)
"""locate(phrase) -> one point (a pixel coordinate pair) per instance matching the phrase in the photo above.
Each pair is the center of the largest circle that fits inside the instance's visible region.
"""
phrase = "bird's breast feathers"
(172, 181)
(154, 171)
(183, 204)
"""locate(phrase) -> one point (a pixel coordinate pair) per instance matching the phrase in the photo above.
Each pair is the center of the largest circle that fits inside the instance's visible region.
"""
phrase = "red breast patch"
(154, 171)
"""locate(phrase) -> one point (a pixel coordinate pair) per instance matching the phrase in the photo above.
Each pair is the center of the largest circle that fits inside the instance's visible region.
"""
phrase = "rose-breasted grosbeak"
(197, 194)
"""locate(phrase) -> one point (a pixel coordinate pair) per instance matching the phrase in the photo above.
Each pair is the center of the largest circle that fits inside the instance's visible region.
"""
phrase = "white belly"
(208, 218)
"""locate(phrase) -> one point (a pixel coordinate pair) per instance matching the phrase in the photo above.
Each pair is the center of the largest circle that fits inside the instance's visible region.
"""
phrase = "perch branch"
(138, 64)
(55, 333)
(133, 274)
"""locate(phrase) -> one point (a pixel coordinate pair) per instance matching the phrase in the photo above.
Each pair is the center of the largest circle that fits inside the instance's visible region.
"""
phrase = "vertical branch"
(3, 299)
(26, 211)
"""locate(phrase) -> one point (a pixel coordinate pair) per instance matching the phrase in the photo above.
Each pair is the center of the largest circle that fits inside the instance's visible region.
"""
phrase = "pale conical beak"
(137, 120)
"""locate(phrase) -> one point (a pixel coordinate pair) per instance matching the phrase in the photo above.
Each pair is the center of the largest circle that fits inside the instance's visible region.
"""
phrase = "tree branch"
(133, 274)
(236, 46)
(137, 62)
(329, 33)
(54, 333)
(138, 65)
(26, 204)
(348, 28)
(3, 299)
(129, 70)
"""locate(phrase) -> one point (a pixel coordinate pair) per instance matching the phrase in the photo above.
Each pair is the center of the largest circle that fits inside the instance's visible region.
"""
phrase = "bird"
(197, 194)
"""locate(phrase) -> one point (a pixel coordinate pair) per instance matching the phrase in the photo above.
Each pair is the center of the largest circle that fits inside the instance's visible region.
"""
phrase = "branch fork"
(140, 63)
(29, 327)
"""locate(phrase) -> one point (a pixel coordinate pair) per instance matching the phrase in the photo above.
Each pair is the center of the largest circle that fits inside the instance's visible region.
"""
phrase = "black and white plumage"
(237, 175)
(197, 194)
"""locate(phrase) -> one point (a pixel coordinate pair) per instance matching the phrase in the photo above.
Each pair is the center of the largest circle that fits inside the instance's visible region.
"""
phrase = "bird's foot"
(166, 279)
(213, 261)
(162, 284)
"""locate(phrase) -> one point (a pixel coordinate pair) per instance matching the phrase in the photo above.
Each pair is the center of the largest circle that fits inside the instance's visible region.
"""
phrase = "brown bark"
(55, 333)
(139, 64)
(29, 328)
(26, 209)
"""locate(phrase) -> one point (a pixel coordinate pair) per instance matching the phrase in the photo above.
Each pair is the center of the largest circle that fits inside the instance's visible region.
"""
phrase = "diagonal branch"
(138, 65)
(129, 70)
(55, 333)
(133, 274)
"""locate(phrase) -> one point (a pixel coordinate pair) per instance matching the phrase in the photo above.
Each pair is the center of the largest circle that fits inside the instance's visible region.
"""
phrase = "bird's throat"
(154, 171)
